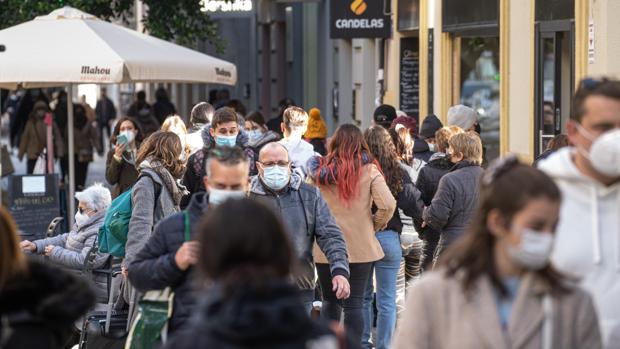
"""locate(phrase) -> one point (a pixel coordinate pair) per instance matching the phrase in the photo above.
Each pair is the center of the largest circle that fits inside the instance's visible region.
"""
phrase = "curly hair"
(383, 150)
(403, 143)
(165, 147)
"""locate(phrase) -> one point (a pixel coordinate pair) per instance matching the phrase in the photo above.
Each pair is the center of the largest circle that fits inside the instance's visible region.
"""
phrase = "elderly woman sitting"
(71, 249)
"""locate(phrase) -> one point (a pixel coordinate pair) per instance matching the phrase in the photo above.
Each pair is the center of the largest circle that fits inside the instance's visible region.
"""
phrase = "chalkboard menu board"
(410, 77)
(33, 202)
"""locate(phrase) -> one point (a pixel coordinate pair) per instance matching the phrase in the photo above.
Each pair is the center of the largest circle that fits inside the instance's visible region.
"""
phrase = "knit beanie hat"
(384, 115)
(316, 125)
(430, 125)
(462, 116)
(409, 123)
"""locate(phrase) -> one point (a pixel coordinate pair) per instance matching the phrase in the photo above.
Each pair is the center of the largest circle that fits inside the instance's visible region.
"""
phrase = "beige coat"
(438, 315)
(356, 221)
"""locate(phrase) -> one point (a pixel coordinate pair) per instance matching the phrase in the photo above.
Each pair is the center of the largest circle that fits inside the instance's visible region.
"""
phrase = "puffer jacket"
(429, 176)
(151, 202)
(71, 250)
(39, 309)
(307, 219)
(453, 205)
(154, 268)
(192, 179)
(271, 316)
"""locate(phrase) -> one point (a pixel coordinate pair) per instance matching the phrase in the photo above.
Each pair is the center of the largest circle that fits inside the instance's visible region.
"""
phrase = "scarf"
(173, 185)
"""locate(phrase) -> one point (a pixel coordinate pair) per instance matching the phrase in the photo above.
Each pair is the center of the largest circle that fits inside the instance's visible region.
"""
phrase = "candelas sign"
(358, 19)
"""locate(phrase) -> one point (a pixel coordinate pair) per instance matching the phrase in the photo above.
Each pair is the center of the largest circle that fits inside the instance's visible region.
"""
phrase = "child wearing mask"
(496, 287)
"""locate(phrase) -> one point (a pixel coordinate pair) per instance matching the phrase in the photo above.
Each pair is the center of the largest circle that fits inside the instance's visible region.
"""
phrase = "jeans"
(386, 274)
(332, 309)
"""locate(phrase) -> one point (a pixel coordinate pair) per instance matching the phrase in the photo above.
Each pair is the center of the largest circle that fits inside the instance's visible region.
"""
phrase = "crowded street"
(310, 174)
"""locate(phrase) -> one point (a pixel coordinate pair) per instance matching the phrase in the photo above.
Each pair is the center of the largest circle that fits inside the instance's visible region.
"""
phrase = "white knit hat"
(462, 116)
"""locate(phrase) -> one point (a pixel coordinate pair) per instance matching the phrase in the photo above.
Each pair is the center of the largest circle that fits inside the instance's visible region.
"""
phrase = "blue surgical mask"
(255, 135)
(226, 141)
(218, 196)
(276, 177)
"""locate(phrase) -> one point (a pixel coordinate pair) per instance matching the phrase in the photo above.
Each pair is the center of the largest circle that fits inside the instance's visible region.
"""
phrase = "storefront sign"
(358, 19)
(227, 6)
(410, 77)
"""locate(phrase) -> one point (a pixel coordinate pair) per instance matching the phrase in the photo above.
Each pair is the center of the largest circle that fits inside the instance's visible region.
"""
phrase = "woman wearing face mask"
(258, 133)
(495, 287)
(176, 125)
(121, 171)
(71, 249)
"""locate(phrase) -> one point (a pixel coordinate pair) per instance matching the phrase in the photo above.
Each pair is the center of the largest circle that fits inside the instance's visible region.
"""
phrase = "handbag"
(41, 164)
(154, 311)
(6, 165)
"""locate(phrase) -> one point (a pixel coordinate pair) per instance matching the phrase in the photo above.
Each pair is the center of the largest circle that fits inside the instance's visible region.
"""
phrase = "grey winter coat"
(455, 200)
(151, 202)
(307, 218)
(72, 249)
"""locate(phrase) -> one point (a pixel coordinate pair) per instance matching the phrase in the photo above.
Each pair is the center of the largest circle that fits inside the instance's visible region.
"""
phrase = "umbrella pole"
(70, 155)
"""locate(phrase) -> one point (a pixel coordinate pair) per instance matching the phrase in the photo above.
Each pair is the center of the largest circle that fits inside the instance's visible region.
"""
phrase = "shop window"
(549, 10)
(461, 15)
(408, 15)
(480, 87)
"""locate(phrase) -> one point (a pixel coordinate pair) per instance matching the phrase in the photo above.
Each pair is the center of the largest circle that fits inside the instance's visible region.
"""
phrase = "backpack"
(113, 232)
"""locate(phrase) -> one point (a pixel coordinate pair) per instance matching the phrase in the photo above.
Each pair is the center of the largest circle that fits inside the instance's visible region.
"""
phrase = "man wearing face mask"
(307, 217)
(224, 131)
(587, 243)
(71, 249)
(168, 256)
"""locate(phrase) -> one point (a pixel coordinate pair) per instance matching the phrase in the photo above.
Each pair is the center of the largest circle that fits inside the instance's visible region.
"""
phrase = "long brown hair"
(117, 130)
(382, 148)
(164, 147)
(403, 143)
(12, 260)
(348, 153)
(506, 186)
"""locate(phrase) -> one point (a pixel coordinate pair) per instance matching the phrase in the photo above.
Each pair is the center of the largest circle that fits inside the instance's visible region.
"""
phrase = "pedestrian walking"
(34, 139)
(496, 288)
(425, 145)
(86, 140)
(317, 132)
(157, 192)
(588, 173)
(121, 169)
(352, 184)
(199, 119)
(39, 303)
(428, 181)
(162, 108)
(306, 216)
(106, 113)
(224, 131)
(258, 133)
(143, 113)
(251, 302)
(457, 193)
(168, 257)
(175, 124)
(71, 249)
(294, 125)
(408, 199)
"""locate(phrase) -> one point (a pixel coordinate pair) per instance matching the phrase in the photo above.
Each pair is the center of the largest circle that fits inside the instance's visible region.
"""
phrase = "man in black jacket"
(167, 259)
(306, 216)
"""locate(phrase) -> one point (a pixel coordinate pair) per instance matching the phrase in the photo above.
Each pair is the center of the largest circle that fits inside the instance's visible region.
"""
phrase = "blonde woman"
(175, 124)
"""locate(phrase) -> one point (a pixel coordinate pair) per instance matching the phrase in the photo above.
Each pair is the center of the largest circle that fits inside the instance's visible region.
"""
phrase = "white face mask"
(604, 154)
(432, 147)
(81, 218)
(218, 196)
(129, 134)
(534, 251)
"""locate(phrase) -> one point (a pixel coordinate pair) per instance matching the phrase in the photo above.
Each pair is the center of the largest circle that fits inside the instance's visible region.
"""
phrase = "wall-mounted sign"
(410, 77)
(226, 6)
(358, 19)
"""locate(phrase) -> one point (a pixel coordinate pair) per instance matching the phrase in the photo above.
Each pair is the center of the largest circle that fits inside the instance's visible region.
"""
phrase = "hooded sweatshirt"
(299, 151)
(587, 241)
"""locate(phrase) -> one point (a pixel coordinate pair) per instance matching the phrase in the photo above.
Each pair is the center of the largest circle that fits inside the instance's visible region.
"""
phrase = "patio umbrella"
(69, 47)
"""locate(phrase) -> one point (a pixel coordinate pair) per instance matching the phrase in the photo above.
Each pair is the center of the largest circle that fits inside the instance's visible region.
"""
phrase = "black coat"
(421, 150)
(42, 307)
(409, 201)
(154, 268)
(247, 317)
(429, 177)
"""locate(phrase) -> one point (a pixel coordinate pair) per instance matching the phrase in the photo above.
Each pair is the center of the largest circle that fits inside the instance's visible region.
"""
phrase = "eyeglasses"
(275, 163)
(498, 167)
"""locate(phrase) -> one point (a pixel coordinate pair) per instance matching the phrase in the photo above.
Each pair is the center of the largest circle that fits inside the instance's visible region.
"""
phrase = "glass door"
(554, 80)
